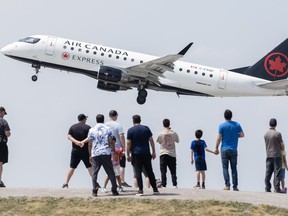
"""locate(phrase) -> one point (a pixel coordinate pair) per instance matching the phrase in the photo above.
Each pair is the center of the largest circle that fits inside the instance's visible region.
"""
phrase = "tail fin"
(273, 66)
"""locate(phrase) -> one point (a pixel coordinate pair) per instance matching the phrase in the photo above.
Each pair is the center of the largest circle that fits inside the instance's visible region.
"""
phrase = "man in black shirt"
(77, 133)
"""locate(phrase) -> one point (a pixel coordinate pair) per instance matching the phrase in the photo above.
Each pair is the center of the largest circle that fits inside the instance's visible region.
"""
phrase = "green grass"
(121, 206)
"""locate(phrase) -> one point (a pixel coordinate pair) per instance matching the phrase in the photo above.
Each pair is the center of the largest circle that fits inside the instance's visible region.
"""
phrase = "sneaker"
(115, 193)
(2, 184)
(197, 186)
(120, 189)
(235, 189)
(124, 184)
(65, 186)
(203, 185)
(175, 187)
(140, 193)
(277, 191)
(104, 190)
(268, 190)
(226, 188)
(95, 192)
(156, 192)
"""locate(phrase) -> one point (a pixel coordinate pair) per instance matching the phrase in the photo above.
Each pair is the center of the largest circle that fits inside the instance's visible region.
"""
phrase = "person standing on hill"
(274, 145)
(118, 133)
(167, 139)
(229, 133)
(138, 139)
(4, 134)
(76, 134)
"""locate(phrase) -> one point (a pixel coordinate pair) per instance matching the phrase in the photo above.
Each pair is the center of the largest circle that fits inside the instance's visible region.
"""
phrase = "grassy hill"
(23, 206)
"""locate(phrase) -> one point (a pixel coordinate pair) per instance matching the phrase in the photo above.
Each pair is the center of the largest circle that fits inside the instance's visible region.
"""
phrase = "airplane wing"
(154, 69)
(276, 85)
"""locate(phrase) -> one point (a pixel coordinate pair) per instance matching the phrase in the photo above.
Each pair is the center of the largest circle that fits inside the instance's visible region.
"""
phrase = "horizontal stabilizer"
(276, 85)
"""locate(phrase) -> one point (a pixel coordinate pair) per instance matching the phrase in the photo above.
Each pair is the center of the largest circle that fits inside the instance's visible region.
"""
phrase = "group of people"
(104, 145)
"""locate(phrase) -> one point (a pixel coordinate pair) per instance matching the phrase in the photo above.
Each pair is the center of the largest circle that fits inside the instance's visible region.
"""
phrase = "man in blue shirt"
(229, 132)
(138, 139)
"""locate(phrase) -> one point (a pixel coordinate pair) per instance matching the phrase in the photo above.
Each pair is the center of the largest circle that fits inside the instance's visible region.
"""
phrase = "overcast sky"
(226, 34)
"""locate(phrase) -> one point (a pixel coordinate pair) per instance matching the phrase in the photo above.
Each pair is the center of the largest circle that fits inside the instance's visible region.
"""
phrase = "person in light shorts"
(115, 157)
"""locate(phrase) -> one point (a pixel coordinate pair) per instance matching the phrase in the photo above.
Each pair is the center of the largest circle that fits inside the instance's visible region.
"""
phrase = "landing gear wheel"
(34, 78)
(142, 93)
(141, 100)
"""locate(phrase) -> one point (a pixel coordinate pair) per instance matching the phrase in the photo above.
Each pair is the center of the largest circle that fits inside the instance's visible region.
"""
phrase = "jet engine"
(109, 74)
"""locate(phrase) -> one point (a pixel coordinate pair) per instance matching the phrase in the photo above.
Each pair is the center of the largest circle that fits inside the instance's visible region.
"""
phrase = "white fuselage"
(68, 54)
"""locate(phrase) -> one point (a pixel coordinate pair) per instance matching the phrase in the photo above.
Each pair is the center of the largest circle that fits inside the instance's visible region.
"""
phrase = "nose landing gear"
(37, 70)
(142, 94)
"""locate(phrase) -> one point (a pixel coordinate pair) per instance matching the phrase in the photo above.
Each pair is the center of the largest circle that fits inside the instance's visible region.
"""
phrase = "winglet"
(183, 52)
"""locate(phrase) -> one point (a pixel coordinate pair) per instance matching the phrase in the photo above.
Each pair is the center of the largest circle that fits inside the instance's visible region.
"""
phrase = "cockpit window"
(31, 40)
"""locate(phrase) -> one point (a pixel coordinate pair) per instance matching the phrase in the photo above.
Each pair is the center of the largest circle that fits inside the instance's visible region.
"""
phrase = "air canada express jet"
(117, 69)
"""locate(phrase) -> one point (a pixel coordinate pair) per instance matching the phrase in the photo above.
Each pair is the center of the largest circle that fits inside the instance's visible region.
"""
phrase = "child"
(198, 148)
(115, 157)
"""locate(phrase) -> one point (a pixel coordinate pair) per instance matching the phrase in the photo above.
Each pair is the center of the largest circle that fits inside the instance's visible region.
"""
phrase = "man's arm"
(241, 134)
(7, 133)
(90, 149)
(218, 141)
(153, 147)
(128, 150)
(76, 142)
(122, 141)
(282, 147)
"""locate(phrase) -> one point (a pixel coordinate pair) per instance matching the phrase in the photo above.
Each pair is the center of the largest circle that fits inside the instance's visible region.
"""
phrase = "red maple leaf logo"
(277, 65)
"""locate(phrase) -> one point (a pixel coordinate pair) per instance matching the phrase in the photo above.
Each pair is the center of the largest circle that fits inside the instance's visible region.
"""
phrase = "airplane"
(120, 70)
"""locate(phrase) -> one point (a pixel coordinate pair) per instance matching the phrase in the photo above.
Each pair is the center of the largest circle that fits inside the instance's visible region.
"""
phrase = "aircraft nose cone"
(6, 50)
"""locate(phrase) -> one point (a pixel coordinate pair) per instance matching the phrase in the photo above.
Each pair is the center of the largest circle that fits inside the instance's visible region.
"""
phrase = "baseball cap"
(82, 117)
(113, 113)
(3, 109)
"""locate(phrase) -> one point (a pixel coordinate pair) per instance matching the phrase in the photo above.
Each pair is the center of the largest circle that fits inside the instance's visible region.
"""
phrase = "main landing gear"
(142, 94)
(37, 70)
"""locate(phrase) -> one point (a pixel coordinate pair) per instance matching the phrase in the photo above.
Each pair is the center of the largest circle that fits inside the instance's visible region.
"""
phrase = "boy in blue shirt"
(198, 148)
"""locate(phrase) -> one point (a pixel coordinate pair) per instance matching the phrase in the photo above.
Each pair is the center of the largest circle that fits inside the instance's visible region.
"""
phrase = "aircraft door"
(50, 46)
(222, 79)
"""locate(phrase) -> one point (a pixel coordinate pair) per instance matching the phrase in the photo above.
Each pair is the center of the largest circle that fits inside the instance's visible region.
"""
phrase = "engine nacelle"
(107, 86)
(109, 74)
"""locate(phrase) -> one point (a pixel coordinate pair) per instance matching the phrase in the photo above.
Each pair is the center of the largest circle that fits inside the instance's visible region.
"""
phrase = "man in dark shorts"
(4, 134)
(77, 133)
